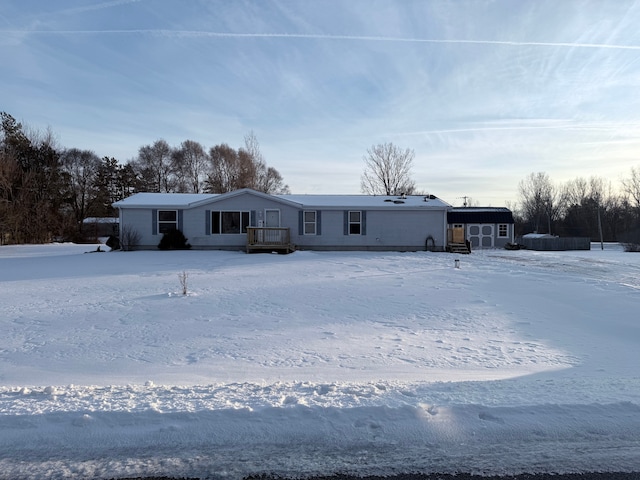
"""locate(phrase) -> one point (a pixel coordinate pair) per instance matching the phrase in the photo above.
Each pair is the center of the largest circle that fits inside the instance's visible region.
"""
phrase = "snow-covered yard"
(309, 363)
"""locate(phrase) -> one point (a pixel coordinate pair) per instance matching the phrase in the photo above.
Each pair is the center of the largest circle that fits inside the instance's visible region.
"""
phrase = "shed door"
(457, 234)
(480, 235)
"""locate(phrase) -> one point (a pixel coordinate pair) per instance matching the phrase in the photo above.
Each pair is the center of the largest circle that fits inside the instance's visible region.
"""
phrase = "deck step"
(461, 248)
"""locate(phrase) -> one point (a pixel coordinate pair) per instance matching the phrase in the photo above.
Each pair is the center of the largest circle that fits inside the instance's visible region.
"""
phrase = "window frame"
(308, 223)
(352, 224)
(218, 224)
(501, 233)
(162, 224)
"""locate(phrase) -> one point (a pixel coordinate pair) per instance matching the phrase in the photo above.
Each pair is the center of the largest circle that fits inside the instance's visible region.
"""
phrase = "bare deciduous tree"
(254, 166)
(265, 179)
(574, 192)
(388, 170)
(631, 187)
(81, 169)
(270, 181)
(224, 170)
(189, 167)
(184, 280)
(232, 169)
(156, 168)
(539, 200)
(585, 204)
(10, 175)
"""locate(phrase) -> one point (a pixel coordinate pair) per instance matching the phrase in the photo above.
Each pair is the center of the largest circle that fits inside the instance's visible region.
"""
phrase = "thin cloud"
(555, 125)
(99, 6)
(360, 38)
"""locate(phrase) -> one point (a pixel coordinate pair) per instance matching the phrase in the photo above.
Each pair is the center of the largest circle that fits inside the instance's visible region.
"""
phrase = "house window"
(167, 220)
(503, 230)
(355, 223)
(310, 223)
(229, 223)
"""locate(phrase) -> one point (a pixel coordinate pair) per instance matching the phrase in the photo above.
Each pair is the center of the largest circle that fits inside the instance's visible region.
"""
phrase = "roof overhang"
(480, 215)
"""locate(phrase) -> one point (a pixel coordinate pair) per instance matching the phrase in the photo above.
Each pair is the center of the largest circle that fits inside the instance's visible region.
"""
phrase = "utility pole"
(600, 228)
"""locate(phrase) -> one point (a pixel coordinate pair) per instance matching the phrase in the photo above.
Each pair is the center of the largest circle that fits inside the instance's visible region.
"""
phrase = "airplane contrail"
(99, 6)
(364, 38)
(560, 125)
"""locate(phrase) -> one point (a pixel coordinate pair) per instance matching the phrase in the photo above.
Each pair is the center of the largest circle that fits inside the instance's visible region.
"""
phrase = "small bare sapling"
(183, 277)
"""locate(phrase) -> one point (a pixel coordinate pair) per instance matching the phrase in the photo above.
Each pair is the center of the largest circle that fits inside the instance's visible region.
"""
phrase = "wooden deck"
(269, 239)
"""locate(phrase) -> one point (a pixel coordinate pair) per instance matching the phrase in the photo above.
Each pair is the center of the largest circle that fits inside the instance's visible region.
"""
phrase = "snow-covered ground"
(314, 363)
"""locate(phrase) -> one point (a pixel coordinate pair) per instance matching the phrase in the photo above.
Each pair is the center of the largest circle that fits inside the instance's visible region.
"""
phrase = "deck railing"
(268, 238)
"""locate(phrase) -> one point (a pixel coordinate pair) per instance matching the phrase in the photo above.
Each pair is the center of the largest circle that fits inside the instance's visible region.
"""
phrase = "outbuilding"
(481, 227)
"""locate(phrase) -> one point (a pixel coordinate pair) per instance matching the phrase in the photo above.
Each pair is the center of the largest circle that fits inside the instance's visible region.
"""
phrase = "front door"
(272, 218)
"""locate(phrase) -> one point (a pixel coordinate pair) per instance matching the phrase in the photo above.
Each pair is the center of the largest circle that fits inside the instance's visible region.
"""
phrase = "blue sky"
(484, 92)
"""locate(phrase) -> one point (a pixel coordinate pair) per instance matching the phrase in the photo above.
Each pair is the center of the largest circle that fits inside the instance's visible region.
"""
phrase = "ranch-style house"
(253, 221)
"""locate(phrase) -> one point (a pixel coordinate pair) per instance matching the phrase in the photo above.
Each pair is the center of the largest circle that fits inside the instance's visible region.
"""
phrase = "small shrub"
(129, 239)
(174, 239)
(631, 247)
(630, 241)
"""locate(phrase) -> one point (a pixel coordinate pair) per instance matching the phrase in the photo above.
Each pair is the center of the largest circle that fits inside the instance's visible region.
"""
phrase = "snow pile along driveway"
(315, 363)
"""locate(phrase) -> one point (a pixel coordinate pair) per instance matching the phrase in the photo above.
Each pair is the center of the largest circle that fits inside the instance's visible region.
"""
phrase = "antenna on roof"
(465, 204)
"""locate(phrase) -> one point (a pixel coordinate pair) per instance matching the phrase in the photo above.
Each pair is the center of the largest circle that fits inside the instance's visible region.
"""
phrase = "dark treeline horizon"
(582, 207)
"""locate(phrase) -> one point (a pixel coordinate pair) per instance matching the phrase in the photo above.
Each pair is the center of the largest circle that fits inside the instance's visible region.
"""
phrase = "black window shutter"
(318, 223)
(363, 219)
(300, 222)
(154, 222)
(207, 222)
(346, 222)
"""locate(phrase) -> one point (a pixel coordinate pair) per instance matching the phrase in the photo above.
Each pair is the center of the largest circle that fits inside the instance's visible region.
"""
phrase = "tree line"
(47, 191)
(582, 207)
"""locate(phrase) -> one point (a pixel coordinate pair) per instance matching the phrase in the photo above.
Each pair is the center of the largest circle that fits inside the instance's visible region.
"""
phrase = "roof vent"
(429, 197)
(388, 200)
(398, 201)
